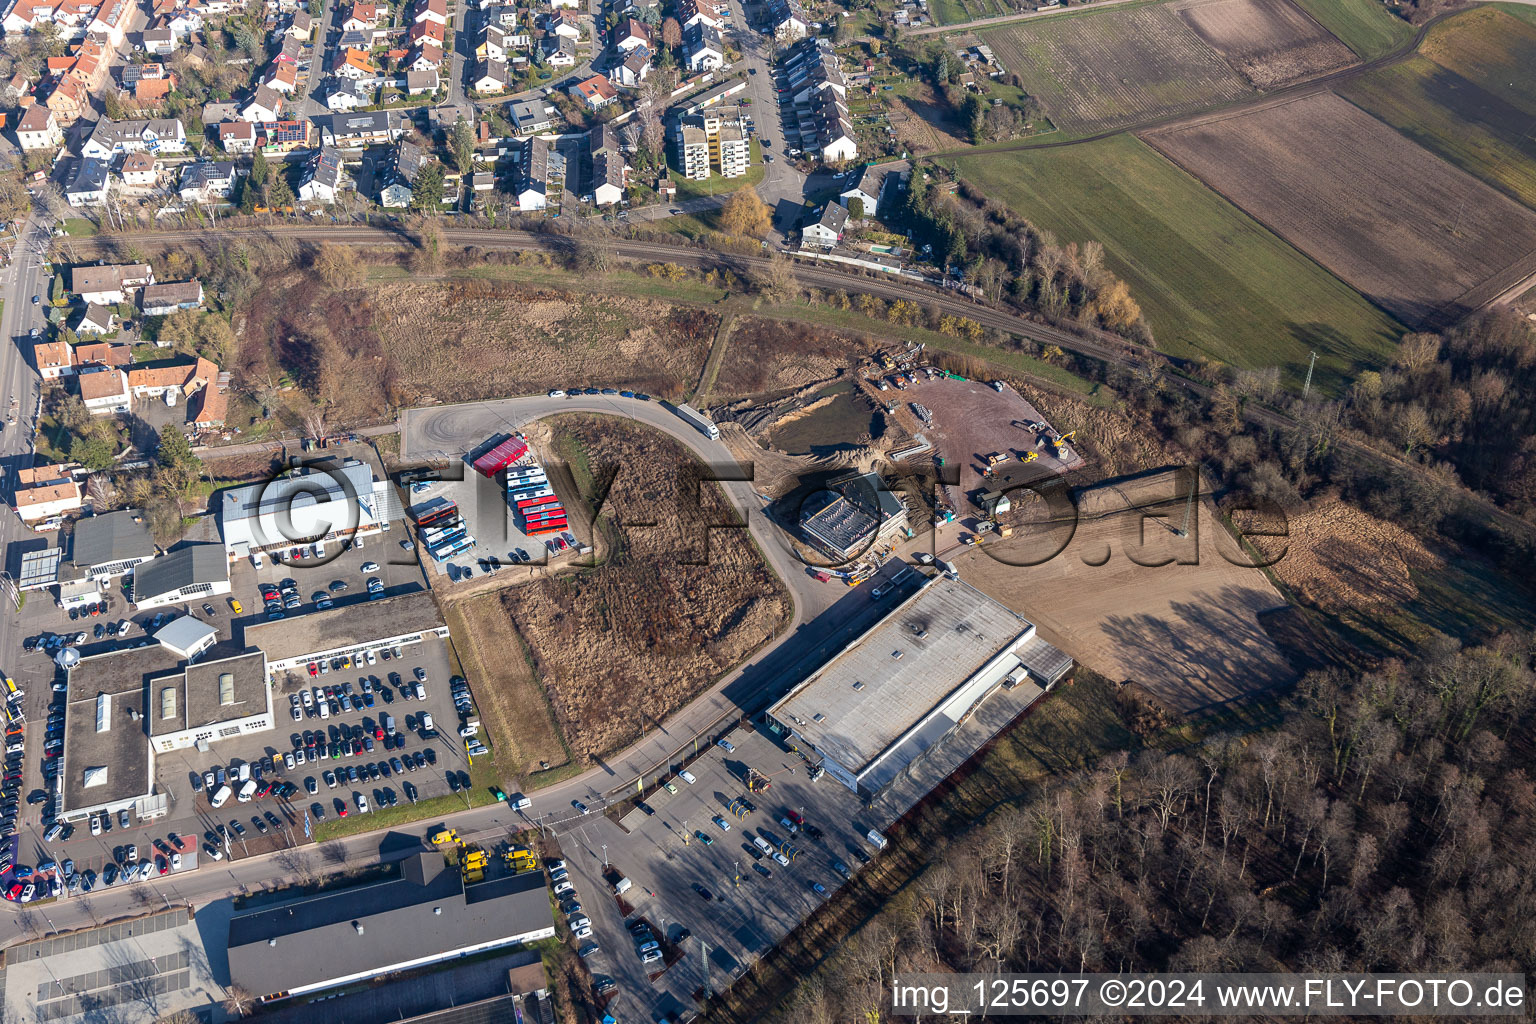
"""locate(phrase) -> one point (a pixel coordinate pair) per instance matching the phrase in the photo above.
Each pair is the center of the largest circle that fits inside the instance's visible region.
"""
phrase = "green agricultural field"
(1491, 48)
(1212, 282)
(1459, 120)
(1365, 26)
(1524, 12)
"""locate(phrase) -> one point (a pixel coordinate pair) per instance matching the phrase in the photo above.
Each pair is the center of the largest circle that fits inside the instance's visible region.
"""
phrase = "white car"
(95, 825)
(557, 394)
(687, 776)
(372, 658)
(362, 804)
(298, 713)
(726, 746)
(368, 567)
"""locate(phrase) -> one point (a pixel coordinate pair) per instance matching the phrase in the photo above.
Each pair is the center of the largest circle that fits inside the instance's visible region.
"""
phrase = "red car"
(263, 790)
(378, 733)
(14, 892)
(314, 669)
(161, 865)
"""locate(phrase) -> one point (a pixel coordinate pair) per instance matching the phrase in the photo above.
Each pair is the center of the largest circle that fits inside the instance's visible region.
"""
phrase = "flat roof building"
(852, 515)
(205, 703)
(186, 637)
(290, 643)
(424, 916)
(898, 691)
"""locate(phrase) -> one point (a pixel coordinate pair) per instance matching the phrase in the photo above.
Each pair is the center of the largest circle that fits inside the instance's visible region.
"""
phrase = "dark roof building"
(110, 545)
(424, 916)
(853, 514)
(196, 571)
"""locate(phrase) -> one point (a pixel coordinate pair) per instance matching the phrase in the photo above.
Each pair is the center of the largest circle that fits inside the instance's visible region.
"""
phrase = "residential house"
(426, 56)
(301, 27)
(418, 83)
(630, 33)
(596, 92)
(139, 169)
(105, 392)
(68, 100)
(531, 117)
(786, 20)
(610, 173)
(151, 91)
(93, 355)
(95, 319)
(207, 180)
(633, 69)
(355, 131)
(430, 10)
(493, 43)
(218, 113)
(363, 18)
(110, 284)
(283, 136)
(282, 77)
(45, 492)
(323, 178)
(559, 51)
(826, 231)
(156, 380)
(490, 76)
(210, 405)
(704, 47)
(533, 175)
(354, 65)
(54, 359)
(39, 129)
(184, 22)
(160, 136)
(406, 161)
(160, 42)
(237, 136)
(504, 15)
(165, 299)
(90, 184)
(265, 105)
(698, 12)
(818, 88)
(868, 189)
(564, 24)
(344, 95)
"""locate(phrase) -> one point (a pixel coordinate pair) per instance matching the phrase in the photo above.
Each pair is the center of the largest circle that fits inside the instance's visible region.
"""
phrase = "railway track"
(1095, 345)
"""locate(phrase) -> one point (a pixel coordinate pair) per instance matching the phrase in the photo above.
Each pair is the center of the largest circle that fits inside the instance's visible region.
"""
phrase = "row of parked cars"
(570, 906)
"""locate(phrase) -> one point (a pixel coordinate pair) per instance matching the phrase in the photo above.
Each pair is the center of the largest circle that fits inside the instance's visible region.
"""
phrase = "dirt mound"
(1340, 556)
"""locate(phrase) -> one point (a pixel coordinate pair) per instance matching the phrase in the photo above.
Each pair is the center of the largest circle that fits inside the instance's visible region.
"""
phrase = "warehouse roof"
(200, 693)
(114, 537)
(887, 697)
(195, 563)
(115, 758)
(337, 628)
(341, 933)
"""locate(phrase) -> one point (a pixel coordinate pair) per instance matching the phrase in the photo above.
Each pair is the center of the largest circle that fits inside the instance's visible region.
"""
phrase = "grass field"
(1095, 72)
(1491, 48)
(1211, 281)
(1365, 26)
(1455, 118)
(1524, 12)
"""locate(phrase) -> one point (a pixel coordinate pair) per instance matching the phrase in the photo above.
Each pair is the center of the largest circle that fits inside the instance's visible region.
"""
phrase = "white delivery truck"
(220, 797)
(622, 886)
(247, 790)
(876, 840)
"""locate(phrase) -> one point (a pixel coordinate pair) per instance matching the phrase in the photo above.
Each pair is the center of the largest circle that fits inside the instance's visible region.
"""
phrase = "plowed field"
(1420, 238)
(1270, 41)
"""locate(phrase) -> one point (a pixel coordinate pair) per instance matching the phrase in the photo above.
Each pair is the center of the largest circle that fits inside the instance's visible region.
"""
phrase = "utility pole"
(1308, 385)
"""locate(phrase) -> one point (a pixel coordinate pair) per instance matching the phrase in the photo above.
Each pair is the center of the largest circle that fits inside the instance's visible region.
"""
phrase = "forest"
(1384, 824)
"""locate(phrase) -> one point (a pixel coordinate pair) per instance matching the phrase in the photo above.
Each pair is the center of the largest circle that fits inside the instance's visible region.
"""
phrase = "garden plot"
(1420, 238)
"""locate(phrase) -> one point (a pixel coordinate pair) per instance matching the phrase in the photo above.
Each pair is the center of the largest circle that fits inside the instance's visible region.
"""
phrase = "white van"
(876, 840)
(325, 708)
(247, 790)
(426, 720)
(520, 802)
(761, 844)
(622, 886)
(220, 797)
(245, 771)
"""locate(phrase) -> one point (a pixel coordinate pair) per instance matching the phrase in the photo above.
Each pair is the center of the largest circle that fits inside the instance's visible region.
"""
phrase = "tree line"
(1384, 824)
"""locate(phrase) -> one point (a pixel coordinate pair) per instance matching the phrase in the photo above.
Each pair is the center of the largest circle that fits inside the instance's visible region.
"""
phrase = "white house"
(490, 76)
(39, 129)
(110, 284)
(826, 231)
(265, 105)
(323, 177)
(704, 47)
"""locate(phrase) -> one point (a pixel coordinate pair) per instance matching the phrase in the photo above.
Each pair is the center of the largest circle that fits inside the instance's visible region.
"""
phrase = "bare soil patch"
(923, 123)
(1190, 631)
(1339, 557)
(1099, 71)
(623, 646)
(463, 340)
(1415, 235)
(765, 356)
(1270, 42)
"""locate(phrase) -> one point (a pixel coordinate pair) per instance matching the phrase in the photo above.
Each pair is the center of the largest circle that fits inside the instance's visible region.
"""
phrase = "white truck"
(699, 422)
(219, 798)
(247, 790)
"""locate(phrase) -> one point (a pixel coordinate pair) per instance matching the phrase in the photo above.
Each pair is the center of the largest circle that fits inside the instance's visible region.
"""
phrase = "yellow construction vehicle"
(520, 859)
(1030, 456)
(447, 835)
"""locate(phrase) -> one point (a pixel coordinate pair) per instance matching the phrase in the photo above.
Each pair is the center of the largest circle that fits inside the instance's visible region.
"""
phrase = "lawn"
(79, 227)
(715, 185)
(1212, 282)
(1455, 118)
(1365, 26)
(1524, 12)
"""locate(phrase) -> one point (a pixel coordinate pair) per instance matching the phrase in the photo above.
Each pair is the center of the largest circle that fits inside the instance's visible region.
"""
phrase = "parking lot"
(753, 900)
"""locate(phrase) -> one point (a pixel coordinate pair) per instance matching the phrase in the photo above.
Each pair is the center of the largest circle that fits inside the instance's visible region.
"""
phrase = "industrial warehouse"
(854, 514)
(907, 684)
